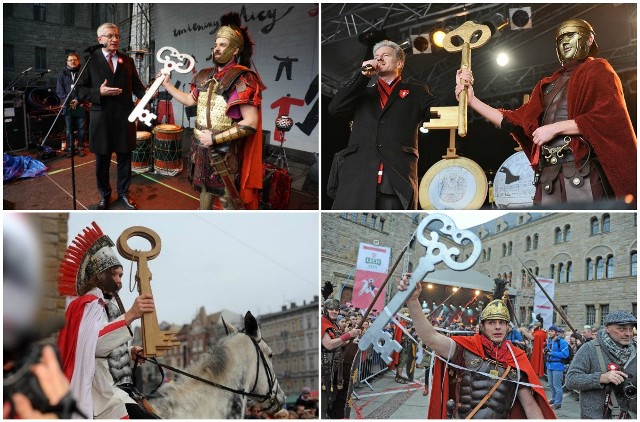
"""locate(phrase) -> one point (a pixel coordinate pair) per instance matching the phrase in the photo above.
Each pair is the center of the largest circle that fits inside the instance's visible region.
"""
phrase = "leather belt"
(557, 151)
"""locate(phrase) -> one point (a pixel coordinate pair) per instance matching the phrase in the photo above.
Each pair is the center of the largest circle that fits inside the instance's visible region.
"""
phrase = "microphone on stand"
(26, 70)
(44, 72)
(93, 48)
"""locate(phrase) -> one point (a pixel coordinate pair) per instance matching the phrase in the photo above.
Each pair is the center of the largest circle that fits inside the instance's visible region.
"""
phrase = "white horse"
(240, 366)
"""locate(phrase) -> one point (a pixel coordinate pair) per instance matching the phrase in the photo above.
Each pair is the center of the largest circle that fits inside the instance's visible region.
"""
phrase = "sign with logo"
(542, 305)
(371, 270)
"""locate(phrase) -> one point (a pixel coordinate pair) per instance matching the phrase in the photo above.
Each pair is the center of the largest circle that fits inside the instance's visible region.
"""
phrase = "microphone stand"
(72, 146)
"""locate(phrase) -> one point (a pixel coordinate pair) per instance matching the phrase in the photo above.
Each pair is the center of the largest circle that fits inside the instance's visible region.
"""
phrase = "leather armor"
(473, 387)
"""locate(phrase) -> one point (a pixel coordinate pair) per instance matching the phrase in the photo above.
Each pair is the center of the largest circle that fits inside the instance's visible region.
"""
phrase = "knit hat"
(620, 318)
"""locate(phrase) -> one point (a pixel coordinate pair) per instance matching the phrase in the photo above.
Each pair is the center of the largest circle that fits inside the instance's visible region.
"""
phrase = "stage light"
(438, 37)
(520, 18)
(455, 289)
(502, 59)
(423, 130)
(496, 23)
(429, 286)
(421, 43)
(477, 292)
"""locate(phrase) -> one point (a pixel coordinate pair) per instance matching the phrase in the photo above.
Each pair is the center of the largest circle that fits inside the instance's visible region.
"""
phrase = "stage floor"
(150, 191)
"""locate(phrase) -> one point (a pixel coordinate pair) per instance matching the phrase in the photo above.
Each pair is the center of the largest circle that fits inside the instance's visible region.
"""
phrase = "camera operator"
(604, 371)
(34, 386)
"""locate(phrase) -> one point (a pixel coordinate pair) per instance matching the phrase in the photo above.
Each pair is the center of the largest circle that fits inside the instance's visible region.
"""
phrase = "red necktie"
(109, 57)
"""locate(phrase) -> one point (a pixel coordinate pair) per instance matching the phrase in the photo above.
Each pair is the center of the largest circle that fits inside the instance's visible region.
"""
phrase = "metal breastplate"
(217, 110)
(474, 387)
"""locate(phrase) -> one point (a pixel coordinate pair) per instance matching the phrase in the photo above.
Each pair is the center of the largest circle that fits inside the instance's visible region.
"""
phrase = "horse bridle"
(271, 379)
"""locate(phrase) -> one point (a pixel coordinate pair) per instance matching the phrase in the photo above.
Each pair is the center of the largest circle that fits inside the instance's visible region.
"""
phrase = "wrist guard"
(345, 337)
(233, 133)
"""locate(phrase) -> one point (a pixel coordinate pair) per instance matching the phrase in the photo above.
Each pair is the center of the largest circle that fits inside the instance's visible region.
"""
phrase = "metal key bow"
(140, 112)
(154, 340)
(436, 252)
(468, 32)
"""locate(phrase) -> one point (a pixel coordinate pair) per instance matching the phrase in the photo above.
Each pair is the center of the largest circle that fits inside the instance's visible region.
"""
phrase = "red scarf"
(385, 89)
(499, 353)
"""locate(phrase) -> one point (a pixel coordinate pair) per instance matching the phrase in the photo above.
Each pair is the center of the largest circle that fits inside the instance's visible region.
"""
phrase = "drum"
(141, 156)
(167, 151)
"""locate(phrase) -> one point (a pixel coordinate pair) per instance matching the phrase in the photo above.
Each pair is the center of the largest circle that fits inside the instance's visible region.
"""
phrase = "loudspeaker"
(15, 138)
(39, 125)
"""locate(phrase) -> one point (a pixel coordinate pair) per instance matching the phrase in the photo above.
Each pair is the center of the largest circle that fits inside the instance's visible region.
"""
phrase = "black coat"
(388, 135)
(109, 130)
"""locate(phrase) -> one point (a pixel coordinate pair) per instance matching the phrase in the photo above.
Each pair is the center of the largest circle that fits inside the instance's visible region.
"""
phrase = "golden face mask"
(573, 38)
(235, 41)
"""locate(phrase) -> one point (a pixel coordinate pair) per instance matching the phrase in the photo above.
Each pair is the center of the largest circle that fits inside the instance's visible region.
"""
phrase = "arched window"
(504, 249)
(634, 263)
(528, 243)
(509, 248)
(606, 223)
(535, 241)
(599, 268)
(557, 235)
(609, 273)
(594, 226)
(567, 233)
(569, 272)
(589, 269)
(536, 271)
(561, 273)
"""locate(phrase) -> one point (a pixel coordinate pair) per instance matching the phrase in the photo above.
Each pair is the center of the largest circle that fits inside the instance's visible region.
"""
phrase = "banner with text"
(371, 270)
(542, 305)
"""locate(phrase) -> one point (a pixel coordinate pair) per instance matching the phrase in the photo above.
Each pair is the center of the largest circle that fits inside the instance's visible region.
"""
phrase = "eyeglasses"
(72, 60)
(111, 36)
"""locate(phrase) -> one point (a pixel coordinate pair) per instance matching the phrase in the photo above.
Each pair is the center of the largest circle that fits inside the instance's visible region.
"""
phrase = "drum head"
(453, 184)
(168, 128)
(513, 184)
(140, 135)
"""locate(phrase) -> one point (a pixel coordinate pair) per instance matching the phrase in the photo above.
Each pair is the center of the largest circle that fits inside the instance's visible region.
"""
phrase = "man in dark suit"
(108, 83)
(379, 167)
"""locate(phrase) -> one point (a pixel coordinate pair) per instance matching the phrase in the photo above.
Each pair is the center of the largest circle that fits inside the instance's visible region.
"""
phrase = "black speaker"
(39, 125)
(14, 135)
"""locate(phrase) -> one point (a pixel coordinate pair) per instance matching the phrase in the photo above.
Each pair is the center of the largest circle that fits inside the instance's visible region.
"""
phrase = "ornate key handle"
(466, 33)
(154, 340)
(436, 252)
(183, 64)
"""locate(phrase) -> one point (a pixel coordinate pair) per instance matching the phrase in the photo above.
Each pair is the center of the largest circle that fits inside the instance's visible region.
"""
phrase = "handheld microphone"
(93, 48)
(367, 68)
(26, 70)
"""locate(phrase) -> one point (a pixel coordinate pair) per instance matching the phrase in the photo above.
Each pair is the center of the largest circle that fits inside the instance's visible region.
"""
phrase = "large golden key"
(472, 35)
(154, 340)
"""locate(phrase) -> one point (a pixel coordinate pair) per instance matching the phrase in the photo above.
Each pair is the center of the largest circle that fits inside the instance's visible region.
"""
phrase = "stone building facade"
(592, 256)
(293, 337)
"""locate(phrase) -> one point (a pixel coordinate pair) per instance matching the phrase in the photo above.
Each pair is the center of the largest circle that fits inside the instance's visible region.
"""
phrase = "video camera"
(20, 379)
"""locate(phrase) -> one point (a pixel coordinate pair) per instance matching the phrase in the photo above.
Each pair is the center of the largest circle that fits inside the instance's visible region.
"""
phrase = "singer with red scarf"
(483, 376)
(379, 167)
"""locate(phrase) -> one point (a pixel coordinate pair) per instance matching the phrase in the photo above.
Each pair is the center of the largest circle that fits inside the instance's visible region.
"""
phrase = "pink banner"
(371, 270)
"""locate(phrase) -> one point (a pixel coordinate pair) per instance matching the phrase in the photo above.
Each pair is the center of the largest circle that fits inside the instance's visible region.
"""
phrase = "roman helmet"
(582, 30)
(89, 254)
(238, 36)
(496, 309)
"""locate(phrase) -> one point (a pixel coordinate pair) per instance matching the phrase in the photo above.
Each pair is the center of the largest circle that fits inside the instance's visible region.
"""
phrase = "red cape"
(596, 102)
(68, 337)
(537, 355)
(440, 389)
(326, 324)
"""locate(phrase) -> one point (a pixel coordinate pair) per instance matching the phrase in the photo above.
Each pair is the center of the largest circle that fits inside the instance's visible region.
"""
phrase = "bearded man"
(575, 130)
(493, 378)
(226, 153)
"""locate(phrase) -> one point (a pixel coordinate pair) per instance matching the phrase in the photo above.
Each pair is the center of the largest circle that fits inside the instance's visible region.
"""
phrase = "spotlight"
(438, 37)
(502, 59)
(421, 44)
(496, 23)
(477, 292)
(520, 18)
(430, 286)
(455, 289)
(405, 46)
